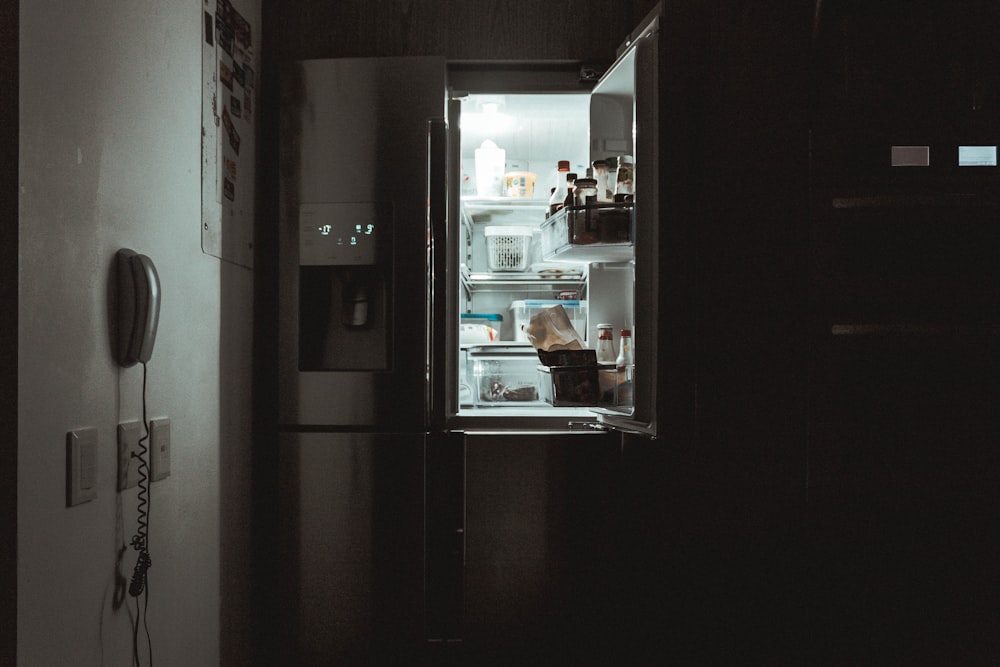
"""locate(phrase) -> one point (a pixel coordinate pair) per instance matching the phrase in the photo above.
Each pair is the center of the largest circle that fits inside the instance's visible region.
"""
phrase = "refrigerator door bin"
(601, 232)
(575, 386)
(584, 357)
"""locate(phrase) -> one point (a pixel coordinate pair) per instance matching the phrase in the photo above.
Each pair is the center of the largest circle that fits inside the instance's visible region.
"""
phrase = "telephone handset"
(138, 307)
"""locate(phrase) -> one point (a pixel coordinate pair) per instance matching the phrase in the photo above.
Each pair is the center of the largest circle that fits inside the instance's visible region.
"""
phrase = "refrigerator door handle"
(438, 366)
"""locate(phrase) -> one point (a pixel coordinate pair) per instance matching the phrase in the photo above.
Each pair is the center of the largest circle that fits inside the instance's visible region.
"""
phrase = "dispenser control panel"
(340, 234)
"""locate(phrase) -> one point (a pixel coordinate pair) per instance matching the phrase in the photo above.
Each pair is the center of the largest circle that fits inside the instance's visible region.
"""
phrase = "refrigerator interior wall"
(531, 133)
(534, 131)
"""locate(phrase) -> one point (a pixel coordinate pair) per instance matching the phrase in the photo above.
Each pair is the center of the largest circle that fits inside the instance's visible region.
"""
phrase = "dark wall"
(715, 528)
(476, 30)
(8, 329)
(732, 553)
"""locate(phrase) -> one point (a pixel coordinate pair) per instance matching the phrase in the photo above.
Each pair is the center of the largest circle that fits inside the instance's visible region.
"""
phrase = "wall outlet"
(159, 448)
(81, 466)
(128, 454)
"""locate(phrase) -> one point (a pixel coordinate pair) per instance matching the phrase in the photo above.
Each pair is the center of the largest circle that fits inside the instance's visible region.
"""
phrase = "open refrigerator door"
(539, 266)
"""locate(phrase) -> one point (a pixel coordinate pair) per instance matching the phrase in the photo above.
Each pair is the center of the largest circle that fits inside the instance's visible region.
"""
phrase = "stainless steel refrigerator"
(415, 521)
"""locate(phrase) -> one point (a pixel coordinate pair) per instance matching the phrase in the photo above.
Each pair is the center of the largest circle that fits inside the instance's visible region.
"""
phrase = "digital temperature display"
(360, 231)
(337, 234)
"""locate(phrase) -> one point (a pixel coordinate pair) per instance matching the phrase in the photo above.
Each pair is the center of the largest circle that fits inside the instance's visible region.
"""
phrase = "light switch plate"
(81, 466)
(128, 454)
(159, 448)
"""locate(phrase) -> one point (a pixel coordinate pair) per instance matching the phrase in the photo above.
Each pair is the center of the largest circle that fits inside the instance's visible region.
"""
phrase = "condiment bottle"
(605, 345)
(558, 196)
(625, 369)
(570, 199)
(585, 221)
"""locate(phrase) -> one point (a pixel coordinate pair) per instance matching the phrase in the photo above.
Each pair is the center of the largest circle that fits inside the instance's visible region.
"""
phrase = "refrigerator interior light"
(490, 121)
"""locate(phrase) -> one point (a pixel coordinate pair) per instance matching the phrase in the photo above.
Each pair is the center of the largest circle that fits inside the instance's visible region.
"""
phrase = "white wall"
(109, 157)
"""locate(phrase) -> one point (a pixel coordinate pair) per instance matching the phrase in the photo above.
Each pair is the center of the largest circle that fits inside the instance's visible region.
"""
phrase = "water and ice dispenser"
(344, 286)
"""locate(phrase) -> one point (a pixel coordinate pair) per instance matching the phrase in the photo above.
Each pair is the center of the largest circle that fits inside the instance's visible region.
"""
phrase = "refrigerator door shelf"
(600, 233)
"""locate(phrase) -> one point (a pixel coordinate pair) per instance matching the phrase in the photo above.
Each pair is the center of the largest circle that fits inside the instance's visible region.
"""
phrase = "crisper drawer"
(600, 232)
(503, 375)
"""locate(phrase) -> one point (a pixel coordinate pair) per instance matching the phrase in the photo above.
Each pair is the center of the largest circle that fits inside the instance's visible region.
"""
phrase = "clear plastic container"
(522, 312)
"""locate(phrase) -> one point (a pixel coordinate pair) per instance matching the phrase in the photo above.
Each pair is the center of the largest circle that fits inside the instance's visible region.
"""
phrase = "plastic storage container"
(508, 248)
(479, 327)
(520, 184)
(522, 311)
(503, 375)
(494, 320)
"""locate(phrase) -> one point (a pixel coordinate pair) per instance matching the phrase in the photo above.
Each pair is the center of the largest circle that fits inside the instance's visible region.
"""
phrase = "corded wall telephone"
(138, 307)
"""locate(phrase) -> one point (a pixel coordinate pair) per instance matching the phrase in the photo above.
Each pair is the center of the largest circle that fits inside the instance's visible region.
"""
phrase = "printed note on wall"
(229, 62)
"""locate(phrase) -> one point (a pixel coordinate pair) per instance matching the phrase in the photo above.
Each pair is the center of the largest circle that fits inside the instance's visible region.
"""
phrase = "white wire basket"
(508, 248)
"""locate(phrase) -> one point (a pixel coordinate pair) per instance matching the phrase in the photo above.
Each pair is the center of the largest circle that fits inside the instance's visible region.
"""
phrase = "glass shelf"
(529, 281)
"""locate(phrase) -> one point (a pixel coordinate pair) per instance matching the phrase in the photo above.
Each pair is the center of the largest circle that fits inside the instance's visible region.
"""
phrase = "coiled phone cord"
(140, 541)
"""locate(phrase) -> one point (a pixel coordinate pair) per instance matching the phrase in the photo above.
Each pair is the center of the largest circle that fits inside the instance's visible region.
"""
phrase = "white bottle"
(625, 369)
(559, 192)
(490, 161)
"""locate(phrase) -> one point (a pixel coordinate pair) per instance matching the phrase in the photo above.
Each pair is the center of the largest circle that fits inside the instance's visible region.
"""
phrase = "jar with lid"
(605, 344)
(625, 183)
(601, 173)
(585, 191)
(612, 176)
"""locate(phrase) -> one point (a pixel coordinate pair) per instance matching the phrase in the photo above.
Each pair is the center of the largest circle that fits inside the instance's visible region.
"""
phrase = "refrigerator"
(413, 500)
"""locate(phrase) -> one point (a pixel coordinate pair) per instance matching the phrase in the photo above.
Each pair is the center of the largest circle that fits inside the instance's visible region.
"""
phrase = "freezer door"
(351, 546)
(542, 582)
(353, 243)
